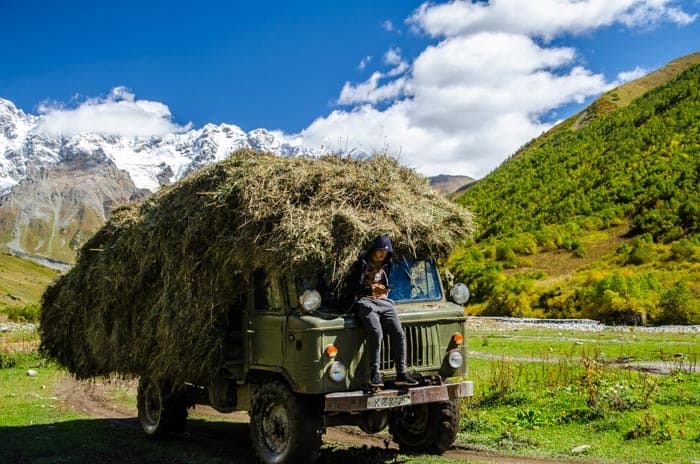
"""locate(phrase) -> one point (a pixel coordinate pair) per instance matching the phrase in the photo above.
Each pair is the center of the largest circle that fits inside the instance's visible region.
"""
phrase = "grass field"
(562, 394)
(564, 403)
(21, 284)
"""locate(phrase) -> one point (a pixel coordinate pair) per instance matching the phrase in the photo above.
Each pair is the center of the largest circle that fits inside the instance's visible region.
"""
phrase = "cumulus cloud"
(387, 25)
(372, 91)
(485, 88)
(119, 113)
(544, 18)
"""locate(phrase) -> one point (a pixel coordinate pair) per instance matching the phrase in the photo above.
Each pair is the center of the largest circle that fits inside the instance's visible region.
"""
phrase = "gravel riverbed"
(17, 327)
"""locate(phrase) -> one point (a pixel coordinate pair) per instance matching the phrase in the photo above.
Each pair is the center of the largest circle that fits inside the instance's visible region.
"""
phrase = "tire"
(425, 428)
(285, 427)
(162, 411)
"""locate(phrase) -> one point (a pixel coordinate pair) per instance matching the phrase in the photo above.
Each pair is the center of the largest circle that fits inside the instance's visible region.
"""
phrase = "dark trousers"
(378, 316)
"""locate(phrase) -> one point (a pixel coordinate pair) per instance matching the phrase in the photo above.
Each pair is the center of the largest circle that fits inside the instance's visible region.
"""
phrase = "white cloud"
(469, 101)
(120, 113)
(371, 92)
(543, 18)
(387, 25)
(364, 62)
(627, 76)
(393, 56)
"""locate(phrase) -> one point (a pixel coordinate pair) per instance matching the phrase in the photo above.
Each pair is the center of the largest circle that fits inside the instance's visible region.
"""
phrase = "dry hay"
(152, 291)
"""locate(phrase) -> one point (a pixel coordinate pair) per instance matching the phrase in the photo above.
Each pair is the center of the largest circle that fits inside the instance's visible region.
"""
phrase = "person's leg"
(392, 325)
(369, 318)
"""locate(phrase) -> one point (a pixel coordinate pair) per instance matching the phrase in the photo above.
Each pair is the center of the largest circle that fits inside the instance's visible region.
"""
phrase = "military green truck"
(228, 288)
(296, 362)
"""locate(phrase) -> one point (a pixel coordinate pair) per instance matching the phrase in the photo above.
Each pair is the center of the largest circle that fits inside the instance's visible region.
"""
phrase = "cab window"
(266, 292)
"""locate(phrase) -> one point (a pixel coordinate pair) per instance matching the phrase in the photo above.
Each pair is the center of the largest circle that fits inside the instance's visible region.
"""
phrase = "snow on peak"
(152, 158)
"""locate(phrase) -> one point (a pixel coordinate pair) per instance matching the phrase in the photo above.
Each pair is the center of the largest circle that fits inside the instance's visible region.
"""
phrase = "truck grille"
(422, 346)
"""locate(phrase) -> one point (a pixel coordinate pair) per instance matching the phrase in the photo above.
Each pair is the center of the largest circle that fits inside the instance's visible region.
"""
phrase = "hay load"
(152, 290)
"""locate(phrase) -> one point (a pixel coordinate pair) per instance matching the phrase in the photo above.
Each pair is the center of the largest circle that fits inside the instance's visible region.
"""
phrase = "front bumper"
(357, 401)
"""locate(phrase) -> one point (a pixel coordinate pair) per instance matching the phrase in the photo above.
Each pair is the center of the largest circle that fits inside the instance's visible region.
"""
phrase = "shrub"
(649, 427)
(579, 250)
(525, 245)
(685, 250)
(619, 299)
(7, 360)
(641, 252)
(27, 313)
(504, 252)
(677, 306)
(509, 298)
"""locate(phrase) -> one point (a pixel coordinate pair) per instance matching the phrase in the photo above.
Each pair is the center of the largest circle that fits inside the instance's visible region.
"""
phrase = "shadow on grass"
(122, 441)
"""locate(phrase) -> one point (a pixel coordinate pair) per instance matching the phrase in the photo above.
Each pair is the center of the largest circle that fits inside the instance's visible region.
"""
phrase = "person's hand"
(379, 290)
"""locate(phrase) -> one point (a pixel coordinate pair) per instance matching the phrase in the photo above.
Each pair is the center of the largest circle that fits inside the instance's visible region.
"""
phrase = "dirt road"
(343, 444)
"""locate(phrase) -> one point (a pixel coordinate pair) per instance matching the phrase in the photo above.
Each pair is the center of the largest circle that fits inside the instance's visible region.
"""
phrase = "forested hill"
(631, 166)
(640, 162)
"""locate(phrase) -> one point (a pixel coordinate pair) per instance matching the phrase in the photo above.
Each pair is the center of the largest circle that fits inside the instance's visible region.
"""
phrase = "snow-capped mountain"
(149, 161)
(56, 190)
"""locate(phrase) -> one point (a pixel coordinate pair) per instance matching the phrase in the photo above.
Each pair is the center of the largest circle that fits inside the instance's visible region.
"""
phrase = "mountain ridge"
(56, 190)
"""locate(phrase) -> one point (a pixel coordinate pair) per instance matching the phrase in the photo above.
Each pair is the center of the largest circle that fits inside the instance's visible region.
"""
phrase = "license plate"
(382, 402)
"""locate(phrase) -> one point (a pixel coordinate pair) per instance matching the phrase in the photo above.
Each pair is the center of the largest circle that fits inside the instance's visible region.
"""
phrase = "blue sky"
(448, 87)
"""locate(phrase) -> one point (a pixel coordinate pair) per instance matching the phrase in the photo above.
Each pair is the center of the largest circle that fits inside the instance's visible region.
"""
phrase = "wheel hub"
(276, 428)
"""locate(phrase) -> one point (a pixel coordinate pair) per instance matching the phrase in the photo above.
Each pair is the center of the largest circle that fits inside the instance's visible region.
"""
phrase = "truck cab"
(295, 359)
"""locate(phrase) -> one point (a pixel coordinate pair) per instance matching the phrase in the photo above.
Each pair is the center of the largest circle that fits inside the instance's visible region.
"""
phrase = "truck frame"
(298, 369)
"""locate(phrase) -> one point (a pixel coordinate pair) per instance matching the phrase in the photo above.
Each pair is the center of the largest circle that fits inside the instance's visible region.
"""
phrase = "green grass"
(21, 283)
(547, 409)
(536, 409)
(37, 427)
(608, 345)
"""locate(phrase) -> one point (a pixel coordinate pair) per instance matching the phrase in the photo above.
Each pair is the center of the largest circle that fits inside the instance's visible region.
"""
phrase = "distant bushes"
(641, 283)
(677, 307)
(27, 313)
(619, 298)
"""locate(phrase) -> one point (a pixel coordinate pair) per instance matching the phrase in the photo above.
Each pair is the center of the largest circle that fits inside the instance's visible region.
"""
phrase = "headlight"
(310, 300)
(337, 371)
(455, 359)
(459, 294)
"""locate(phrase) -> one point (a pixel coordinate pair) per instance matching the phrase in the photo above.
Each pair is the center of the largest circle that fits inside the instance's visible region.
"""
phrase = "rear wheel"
(425, 428)
(284, 427)
(162, 411)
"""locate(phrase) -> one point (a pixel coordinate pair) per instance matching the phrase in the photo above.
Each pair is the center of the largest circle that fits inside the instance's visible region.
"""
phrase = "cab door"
(265, 322)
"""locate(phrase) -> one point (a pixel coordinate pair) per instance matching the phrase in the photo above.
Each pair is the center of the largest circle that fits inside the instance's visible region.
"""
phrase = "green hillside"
(21, 284)
(600, 217)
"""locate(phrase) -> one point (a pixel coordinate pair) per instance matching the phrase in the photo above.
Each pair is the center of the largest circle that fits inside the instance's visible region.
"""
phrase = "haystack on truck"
(294, 356)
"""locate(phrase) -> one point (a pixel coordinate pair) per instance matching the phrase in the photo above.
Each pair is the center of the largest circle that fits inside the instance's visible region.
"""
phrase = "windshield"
(414, 280)
(410, 281)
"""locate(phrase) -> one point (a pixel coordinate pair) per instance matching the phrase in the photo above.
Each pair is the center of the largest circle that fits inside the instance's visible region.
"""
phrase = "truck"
(230, 288)
(295, 359)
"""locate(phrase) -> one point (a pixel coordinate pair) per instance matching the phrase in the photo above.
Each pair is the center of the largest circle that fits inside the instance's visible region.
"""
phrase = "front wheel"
(161, 411)
(425, 428)
(284, 427)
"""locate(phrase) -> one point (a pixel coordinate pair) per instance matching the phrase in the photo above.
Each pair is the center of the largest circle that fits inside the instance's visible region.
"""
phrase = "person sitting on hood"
(370, 284)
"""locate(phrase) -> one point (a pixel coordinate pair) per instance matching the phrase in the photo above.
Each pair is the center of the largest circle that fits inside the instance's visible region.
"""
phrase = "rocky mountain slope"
(57, 190)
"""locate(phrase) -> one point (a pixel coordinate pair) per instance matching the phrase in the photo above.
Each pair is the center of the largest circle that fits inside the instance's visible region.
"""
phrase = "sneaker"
(376, 380)
(405, 380)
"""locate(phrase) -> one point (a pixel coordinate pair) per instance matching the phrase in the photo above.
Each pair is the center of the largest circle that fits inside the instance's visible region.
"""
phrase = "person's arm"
(357, 285)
